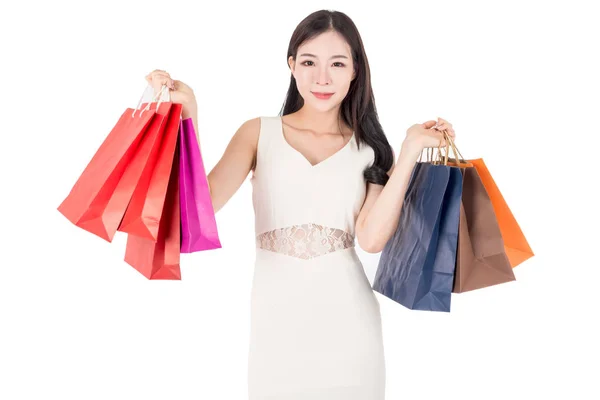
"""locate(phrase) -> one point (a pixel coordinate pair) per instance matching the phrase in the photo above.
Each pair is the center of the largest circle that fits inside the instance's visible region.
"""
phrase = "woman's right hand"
(179, 91)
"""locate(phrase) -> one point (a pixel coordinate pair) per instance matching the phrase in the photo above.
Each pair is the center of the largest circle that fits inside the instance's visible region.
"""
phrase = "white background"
(517, 79)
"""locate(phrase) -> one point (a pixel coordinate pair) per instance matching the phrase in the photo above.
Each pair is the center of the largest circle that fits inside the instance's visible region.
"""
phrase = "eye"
(308, 61)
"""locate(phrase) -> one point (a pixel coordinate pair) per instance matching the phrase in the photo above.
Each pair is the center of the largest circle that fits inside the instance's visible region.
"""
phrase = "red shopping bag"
(109, 209)
(143, 215)
(160, 259)
(87, 200)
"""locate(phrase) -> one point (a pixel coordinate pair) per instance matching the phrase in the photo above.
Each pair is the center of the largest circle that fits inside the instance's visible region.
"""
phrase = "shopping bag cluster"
(147, 180)
(455, 234)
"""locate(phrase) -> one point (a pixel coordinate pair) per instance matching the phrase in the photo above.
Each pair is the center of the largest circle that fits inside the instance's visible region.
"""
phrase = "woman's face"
(323, 64)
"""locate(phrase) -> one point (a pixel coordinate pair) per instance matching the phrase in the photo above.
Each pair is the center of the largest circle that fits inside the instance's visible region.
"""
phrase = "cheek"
(303, 77)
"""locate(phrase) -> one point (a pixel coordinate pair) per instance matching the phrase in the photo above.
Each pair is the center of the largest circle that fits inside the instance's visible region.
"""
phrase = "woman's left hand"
(429, 134)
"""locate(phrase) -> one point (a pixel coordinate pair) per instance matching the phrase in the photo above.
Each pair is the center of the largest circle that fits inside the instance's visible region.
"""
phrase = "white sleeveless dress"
(315, 321)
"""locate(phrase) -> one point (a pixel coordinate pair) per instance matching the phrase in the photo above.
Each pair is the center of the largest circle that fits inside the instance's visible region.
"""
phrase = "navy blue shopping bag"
(416, 267)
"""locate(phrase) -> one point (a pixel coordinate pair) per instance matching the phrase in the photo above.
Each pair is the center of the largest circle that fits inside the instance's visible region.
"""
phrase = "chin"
(323, 107)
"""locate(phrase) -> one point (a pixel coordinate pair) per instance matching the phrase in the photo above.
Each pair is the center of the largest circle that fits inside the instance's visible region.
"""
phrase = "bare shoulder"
(248, 132)
(250, 128)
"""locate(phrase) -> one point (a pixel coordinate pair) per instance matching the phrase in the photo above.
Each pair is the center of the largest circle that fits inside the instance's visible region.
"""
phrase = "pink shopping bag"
(198, 225)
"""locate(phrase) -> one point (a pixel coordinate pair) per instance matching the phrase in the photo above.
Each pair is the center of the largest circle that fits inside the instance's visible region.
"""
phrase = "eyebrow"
(312, 55)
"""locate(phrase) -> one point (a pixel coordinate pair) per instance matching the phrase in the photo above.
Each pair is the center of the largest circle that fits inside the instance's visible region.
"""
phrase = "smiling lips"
(323, 96)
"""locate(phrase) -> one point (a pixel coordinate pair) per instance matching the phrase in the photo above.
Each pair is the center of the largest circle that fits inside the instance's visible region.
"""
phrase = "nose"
(323, 77)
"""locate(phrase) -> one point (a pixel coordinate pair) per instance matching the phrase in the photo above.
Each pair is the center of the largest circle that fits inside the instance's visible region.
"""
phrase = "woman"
(323, 176)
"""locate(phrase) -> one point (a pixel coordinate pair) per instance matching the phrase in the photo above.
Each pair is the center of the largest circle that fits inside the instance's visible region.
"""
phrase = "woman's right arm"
(239, 157)
(235, 164)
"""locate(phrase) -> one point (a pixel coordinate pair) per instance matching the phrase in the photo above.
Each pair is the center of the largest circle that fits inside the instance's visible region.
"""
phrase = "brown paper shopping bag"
(481, 257)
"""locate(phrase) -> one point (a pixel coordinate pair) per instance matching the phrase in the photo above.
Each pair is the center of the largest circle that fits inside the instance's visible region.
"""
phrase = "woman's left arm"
(379, 216)
(380, 213)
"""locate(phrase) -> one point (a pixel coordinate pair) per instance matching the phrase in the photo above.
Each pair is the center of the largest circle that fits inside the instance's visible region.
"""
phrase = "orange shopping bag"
(159, 259)
(143, 215)
(515, 243)
(87, 204)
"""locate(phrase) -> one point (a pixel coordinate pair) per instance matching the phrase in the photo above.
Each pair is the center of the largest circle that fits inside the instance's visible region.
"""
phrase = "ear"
(292, 63)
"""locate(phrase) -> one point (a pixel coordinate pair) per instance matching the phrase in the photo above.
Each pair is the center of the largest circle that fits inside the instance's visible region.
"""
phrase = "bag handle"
(429, 155)
(459, 161)
(457, 155)
(158, 96)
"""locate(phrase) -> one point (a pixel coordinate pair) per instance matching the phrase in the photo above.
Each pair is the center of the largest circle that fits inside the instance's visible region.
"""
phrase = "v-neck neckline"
(311, 165)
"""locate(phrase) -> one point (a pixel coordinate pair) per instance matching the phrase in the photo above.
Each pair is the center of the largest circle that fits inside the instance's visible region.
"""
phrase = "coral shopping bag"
(198, 225)
(88, 203)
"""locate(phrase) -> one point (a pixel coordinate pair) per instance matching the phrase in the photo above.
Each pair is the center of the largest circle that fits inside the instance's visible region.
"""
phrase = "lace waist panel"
(305, 241)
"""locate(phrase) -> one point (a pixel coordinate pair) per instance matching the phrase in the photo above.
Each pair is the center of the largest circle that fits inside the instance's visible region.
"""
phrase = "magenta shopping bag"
(198, 224)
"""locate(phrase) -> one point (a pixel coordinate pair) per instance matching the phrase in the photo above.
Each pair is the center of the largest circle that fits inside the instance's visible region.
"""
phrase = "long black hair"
(358, 107)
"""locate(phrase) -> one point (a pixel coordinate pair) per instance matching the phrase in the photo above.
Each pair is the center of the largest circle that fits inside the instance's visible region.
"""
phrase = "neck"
(328, 121)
